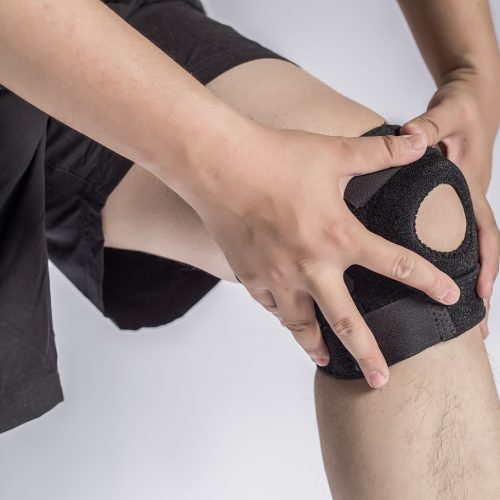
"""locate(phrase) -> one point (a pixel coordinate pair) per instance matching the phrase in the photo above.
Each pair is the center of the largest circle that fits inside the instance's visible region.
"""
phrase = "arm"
(109, 82)
(458, 43)
(453, 35)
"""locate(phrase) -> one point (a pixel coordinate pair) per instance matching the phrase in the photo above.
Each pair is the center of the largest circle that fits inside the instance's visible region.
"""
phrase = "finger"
(436, 123)
(332, 296)
(265, 298)
(483, 326)
(363, 155)
(405, 266)
(489, 248)
(296, 309)
(488, 255)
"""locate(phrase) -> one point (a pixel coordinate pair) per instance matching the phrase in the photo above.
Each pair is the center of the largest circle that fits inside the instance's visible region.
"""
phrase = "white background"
(219, 404)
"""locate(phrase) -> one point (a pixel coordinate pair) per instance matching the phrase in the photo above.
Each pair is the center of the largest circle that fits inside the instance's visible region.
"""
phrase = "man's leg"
(434, 430)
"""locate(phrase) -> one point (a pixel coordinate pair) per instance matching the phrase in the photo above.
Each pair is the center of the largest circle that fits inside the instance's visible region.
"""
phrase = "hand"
(275, 206)
(463, 118)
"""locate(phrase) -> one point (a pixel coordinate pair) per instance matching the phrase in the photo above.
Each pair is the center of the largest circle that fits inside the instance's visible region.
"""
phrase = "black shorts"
(54, 183)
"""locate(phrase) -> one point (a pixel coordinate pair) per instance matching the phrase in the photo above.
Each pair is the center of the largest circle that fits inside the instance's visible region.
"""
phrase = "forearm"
(454, 34)
(82, 64)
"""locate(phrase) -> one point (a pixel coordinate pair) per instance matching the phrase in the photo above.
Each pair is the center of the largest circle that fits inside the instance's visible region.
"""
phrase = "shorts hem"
(31, 401)
(216, 65)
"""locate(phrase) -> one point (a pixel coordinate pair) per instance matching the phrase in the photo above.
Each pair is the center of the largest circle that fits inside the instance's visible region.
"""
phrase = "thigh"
(279, 94)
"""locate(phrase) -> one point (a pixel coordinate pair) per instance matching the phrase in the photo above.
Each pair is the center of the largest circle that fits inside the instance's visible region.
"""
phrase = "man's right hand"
(274, 204)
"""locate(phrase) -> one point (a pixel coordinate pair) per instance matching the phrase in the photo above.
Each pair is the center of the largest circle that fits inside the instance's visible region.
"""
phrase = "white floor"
(218, 405)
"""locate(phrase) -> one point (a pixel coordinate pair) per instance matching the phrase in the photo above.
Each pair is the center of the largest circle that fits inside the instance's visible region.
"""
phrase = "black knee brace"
(404, 320)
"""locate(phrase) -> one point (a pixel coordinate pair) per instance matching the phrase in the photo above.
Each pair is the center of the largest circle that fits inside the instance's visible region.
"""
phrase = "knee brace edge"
(405, 321)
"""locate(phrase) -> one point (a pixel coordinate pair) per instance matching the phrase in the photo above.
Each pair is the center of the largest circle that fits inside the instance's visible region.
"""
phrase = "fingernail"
(377, 380)
(320, 360)
(416, 141)
(450, 296)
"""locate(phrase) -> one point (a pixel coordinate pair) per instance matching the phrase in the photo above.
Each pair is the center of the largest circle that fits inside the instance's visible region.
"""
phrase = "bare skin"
(434, 430)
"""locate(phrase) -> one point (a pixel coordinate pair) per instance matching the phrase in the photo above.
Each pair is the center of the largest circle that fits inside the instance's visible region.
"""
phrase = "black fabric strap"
(406, 327)
(360, 189)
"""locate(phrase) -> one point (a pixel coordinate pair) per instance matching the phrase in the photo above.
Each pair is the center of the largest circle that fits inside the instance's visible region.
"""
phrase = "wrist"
(205, 146)
(480, 92)
(481, 69)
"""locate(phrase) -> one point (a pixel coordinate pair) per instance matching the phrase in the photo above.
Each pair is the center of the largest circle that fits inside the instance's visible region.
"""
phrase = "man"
(109, 83)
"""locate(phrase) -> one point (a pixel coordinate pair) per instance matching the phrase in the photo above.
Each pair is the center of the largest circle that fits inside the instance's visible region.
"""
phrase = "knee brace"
(405, 321)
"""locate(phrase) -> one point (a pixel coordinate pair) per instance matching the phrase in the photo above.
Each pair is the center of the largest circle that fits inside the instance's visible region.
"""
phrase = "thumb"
(436, 123)
(363, 155)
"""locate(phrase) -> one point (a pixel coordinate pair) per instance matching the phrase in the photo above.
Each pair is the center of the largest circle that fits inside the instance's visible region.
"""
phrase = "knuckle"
(340, 234)
(248, 278)
(314, 280)
(276, 274)
(272, 308)
(428, 122)
(404, 266)
(298, 326)
(346, 148)
(367, 361)
(307, 267)
(435, 285)
(392, 147)
(345, 327)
